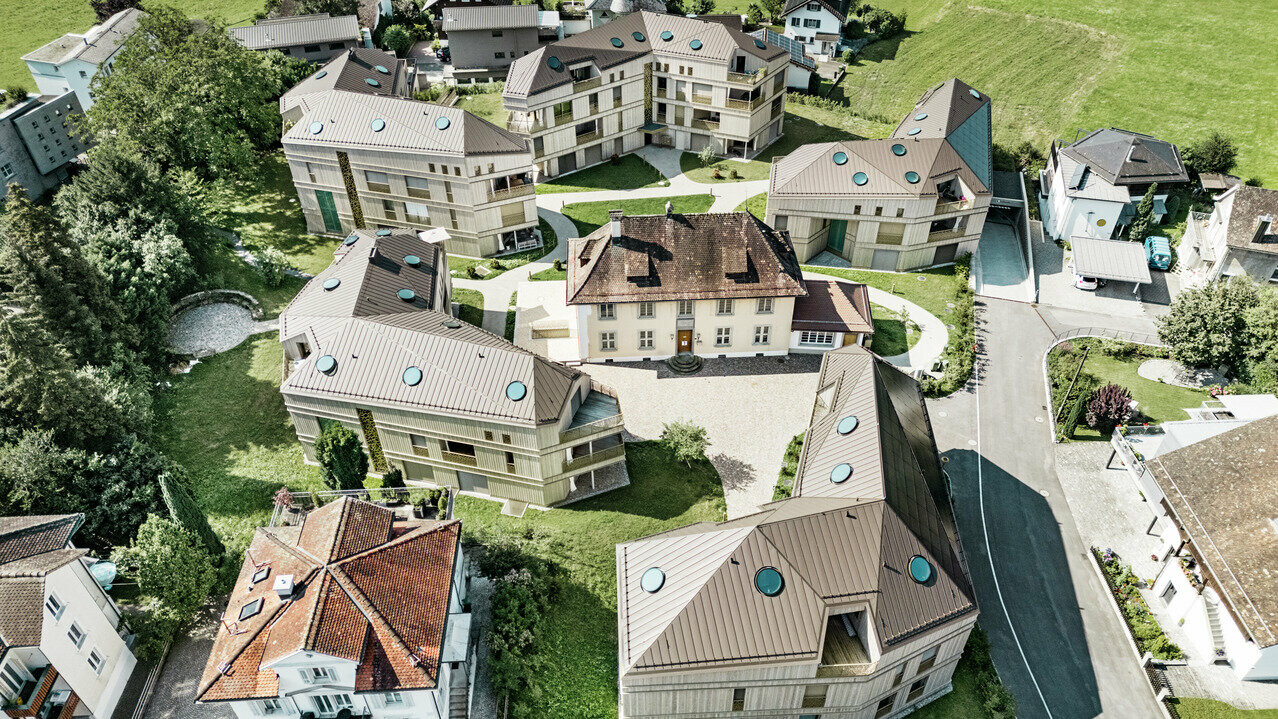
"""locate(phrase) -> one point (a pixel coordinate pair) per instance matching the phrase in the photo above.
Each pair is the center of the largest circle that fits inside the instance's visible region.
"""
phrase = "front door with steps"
(685, 341)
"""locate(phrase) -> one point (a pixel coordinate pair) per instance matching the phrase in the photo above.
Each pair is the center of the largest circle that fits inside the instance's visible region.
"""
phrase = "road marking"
(980, 491)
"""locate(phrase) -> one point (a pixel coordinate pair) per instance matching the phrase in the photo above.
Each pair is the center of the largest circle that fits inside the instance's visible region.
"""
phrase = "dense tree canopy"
(1214, 153)
(1206, 326)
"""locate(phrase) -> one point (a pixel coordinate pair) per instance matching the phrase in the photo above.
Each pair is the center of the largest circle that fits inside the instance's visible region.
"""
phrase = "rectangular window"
(95, 661)
(927, 661)
(331, 703)
(310, 171)
(388, 210)
(685, 308)
(764, 306)
(417, 212)
(898, 676)
(916, 689)
(54, 605)
(488, 435)
(738, 699)
(417, 440)
(499, 56)
(335, 46)
(900, 212)
(781, 222)
(418, 187)
(505, 438)
(76, 635)
(607, 311)
(724, 307)
(608, 341)
(723, 336)
(795, 22)
(7, 169)
(315, 675)
(13, 679)
(310, 48)
(496, 33)
(647, 310)
(510, 462)
(816, 338)
(377, 181)
(645, 339)
(271, 706)
(814, 696)
(461, 448)
(878, 210)
(811, 22)
(763, 335)
(1168, 594)
(885, 707)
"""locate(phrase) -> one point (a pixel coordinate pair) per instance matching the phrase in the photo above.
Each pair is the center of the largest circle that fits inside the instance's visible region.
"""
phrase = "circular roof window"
(638, 36)
(332, 283)
(616, 42)
(760, 44)
(840, 473)
(316, 127)
(695, 44)
(914, 131)
(320, 74)
(382, 69)
(920, 569)
(555, 63)
(898, 150)
(667, 35)
(442, 123)
(383, 232)
(412, 376)
(372, 82)
(516, 391)
(412, 260)
(769, 582)
(975, 94)
(652, 580)
(351, 239)
(407, 295)
(452, 324)
(860, 178)
(840, 158)
(921, 116)
(378, 125)
(912, 177)
(326, 364)
(848, 423)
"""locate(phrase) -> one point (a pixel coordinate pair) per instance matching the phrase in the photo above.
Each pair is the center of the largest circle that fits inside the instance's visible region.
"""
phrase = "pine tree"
(1144, 220)
(184, 511)
(343, 464)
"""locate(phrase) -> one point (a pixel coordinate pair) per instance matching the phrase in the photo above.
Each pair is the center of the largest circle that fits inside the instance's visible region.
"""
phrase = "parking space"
(1056, 288)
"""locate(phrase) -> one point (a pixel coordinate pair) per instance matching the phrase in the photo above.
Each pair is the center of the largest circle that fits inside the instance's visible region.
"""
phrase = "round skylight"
(372, 82)
(975, 94)
(912, 177)
(326, 364)
(382, 69)
(847, 424)
(407, 295)
(320, 74)
(667, 35)
(351, 239)
(695, 44)
(860, 178)
(555, 63)
(412, 376)
(452, 324)
(652, 580)
(442, 123)
(384, 232)
(920, 569)
(898, 150)
(840, 473)
(760, 44)
(316, 127)
(921, 116)
(516, 391)
(332, 283)
(769, 582)
(378, 125)
(638, 36)
(840, 158)
(412, 260)
(616, 42)
(914, 131)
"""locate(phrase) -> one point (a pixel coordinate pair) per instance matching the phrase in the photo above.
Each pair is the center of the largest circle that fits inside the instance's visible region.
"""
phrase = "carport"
(1117, 260)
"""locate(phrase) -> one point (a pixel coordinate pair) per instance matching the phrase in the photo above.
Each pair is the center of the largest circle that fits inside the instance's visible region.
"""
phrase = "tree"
(1206, 325)
(183, 510)
(332, 7)
(1144, 219)
(170, 564)
(104, 9)
(191, 95)
(884, 23)
(754, 14)
(341, 457)
(1215, 153)
(685, 440)
(287, 69)
(397, 39)
(772, 8)
(707, 156)
(13, 95)
(1109, 407)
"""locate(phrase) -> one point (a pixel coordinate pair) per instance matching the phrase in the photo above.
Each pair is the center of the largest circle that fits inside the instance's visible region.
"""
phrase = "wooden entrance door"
(685, 340)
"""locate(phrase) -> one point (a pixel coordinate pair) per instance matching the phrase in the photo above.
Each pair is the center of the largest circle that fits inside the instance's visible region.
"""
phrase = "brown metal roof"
(683, 256)
(485, 17)
(833, 306)
(811, 170)
(350, 72)
(946, 106)
(1224, 494)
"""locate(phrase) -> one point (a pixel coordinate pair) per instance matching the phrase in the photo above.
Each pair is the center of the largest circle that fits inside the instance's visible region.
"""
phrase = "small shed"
(1117, 260)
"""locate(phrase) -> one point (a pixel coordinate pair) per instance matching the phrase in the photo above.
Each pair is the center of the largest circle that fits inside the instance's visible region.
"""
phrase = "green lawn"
(891, 336)
(1211, 709)
(550, 274)
(692, 167)
(471, 307)
(510, 317)
(628, 173)
(1156, 400)
(487, 105)
(228, 271)
(757, 205)
(590, 216)
(459, 266)
(962, 703)
(932, 293)
(580, 675)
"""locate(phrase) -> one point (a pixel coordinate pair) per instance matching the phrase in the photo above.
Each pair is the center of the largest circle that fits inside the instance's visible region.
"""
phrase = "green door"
(328, 210)
(838, 228)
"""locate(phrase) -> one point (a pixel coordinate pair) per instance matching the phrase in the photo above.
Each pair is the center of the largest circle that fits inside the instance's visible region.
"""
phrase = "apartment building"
(64, 649)
(354, 613)
(846, 600)
(714, 284)
(70, 63)
(916, 199)
(646, 79)
(317, 38)
(369, 344)
(817, 24)
(1238, 237)
(37, 143)
(351, 71)
(365, 156)
(485, 40)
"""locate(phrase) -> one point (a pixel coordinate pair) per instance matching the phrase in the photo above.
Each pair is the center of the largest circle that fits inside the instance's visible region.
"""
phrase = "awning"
(1006, 189)
(1160, 207)
(1110, 259)
(653, 127)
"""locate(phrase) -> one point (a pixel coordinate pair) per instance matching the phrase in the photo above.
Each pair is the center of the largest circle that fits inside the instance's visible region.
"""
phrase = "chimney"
(614, 217)
(669, 208)
(1131, 150)
(284, 587)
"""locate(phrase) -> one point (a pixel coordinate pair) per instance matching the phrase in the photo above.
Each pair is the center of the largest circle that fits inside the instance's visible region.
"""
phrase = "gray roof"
(297, 30)
(830, 550)
(1110, 259)
(346, 120)
(946, 106)
(95, 46)
(1128, 158)
(486, 17)
(1251, 206)
(1081, 182)
(375, 337)
(810, 170)
(350, 72)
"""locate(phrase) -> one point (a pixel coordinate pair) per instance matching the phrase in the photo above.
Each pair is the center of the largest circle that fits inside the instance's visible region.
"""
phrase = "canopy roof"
(1110, 259)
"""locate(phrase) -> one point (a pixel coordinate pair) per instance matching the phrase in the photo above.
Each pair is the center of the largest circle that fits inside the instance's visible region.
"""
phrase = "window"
(878, 210)
(7, 169)
(900, 212)
(488, 435)
(270, 706)
(310, 48)
(685, 308)
(763, 335)
(95, 661)
(335, 46)
(795, 22)
(250, 610)
(331, 703)
(927, 661)
(505, 438)
(898, 676)
(608, 341)
(417, 440)
(416, 212)
(310, 171)
(812, 22)
(314, 675)
(885, 706)
(763, 306)
(647, 310)
(377, 181)
(14, 679)
(499, 56)
(816, 338)
(916, 689)
(388, 210)
(724, 307)
(54, 605)
(76, 635)
(510, 461)
(461, 448)
(814, 696)
(781, 222)
(722, 336)
(83, 73)
(738, 699)
(1168, 594)
(417, 187)
(607, 311)
(395, 699)
(645, 339)
(496, 33)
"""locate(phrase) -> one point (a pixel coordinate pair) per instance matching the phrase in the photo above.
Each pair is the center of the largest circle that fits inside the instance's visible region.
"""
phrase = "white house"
(1238, 237)
(818, 24)
(354, 610)
(63, 648)
(70, 62)
(1091, 187)
(799, 75)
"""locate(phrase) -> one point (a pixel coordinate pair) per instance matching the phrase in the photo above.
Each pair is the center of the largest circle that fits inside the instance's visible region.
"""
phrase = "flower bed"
(1144, 629)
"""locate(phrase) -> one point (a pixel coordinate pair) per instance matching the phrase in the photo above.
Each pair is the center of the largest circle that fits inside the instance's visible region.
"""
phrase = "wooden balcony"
(31, 697)
(577, 464)
(588, 84)
(753, 78)
(711, 125)
(957, 205)
(942, 235)
(466, 459)
(588, 137)
(509, 192)
(736, 104)
(702, 99)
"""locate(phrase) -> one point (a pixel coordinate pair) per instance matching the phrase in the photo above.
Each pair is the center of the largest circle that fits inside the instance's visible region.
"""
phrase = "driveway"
(1001, 269)
(750, 407)
(1056, 288)
(174, 694)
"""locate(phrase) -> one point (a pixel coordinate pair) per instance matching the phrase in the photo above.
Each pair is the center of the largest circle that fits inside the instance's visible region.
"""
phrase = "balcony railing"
(702, 99)
(712, 125)
(736, 104)
(828, 671)
(587, 84)
(421, 451)
(509, 192)
(523, 124)
(743, 78)
(660, 92)
(32, 695)
(586, 460)
(563, 118)
(405, 502)
(940, 235)
(587, 137)
(379, 187)
(466, 459)
(778, 111)
(955, 206)
(418, 192)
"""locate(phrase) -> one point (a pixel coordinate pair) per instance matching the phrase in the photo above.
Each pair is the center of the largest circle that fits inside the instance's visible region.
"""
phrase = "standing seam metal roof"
(810, 171)
(303, 30)
(1110, 259)
(489, 17)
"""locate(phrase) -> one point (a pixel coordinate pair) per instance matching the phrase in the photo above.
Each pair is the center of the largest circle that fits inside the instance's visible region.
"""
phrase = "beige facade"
(740, 327)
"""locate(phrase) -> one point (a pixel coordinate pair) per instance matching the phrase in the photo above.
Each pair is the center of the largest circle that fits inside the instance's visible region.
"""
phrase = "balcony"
(585, 137)
(942, 235)
(563, 118)
(752, 78)
(600, 412)
(509, 192)
(843, 654)
(31, 696)
(577, 464)
(702, 99)
(735, 104)
(466, 459)
(419, 193)
(660, 92)
(587, 84)
(711, 125)
(953, 206)
(381, 187)
(524, 125)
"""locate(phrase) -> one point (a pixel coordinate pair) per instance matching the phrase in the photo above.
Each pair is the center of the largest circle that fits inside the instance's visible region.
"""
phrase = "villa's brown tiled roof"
(1250, 205)
(833, 306)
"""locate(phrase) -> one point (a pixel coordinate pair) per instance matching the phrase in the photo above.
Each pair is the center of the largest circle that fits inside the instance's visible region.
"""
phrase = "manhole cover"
(1038, 419)
(942, 414)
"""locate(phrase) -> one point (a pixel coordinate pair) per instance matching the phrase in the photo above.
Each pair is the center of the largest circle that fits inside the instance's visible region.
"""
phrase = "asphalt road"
(1056, 642)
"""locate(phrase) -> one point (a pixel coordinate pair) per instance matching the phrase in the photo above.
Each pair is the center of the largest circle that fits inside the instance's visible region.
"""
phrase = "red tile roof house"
(354, 610)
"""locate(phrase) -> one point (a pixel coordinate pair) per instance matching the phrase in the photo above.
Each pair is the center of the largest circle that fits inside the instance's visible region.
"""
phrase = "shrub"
(846, 57)
(170, 565)
(734, 174)
(686, 441)
(789, 468)
(1109, 407)
(398, 39)
(717, 174)
(343, 464)
(183, 510)
(393, 478)
(274, 266)
(559, 265)
(707, 156)
(960, 352)
(1077, 411)
(1214, 153)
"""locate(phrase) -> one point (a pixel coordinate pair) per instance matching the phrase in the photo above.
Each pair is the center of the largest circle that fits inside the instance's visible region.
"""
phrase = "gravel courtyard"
(751, 406)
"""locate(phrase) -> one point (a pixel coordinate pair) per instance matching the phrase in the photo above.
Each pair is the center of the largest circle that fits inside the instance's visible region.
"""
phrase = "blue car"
(1158, 252)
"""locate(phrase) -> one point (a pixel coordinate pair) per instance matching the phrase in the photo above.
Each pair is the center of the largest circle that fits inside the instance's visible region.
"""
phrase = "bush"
(789, 468)
(1124, 585)
(183, 510)
(707, 156)
(393, 478)
(343, 464)
(1109, 407)
(995, 698)
(1077, 411)
(171, 566)
(398, 39)
(960, 352)
(274, 266)
(1214, 153)
(686, 441)
(734, 174)
(717, 174)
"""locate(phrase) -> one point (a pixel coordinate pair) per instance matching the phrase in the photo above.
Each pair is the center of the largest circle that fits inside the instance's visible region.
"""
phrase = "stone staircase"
(459, 695)
(1213, 623)
(685, 363)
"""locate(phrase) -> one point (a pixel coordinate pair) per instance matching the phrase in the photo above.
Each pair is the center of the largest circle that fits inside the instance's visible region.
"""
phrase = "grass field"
(487, 105)
(1210, 709)
(458, 265)
(891, 335)
(932, 293)
(757, 205)
(470, 305)
(629, 173)
(590, 216)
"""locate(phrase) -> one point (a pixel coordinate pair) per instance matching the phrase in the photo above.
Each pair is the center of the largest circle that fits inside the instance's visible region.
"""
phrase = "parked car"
(1084, 283)
(444, 55)
(1158, 252)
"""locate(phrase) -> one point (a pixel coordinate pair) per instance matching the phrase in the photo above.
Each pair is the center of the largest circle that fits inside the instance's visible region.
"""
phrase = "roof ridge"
(372, 614)
(411, 535)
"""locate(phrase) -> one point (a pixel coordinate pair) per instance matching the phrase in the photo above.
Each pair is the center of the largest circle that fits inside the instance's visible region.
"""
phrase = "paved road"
(1056, 642)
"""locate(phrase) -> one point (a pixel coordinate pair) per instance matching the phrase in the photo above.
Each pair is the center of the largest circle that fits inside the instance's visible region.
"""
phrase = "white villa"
(1238, 237)
(818, 24)
(70, 62)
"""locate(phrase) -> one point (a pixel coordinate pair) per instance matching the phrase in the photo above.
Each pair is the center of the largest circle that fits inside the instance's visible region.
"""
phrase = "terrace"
(844, 653)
